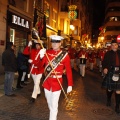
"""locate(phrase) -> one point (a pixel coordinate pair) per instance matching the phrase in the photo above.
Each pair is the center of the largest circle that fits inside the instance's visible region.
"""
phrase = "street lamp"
(102, 38)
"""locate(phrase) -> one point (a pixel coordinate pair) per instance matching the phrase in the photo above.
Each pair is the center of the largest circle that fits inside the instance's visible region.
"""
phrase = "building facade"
(112, 20)
(16, 21)
(17, 18)
(86, 16)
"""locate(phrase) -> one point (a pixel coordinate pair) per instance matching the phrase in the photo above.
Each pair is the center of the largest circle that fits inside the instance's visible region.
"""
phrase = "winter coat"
(109, 62)
(9, 60)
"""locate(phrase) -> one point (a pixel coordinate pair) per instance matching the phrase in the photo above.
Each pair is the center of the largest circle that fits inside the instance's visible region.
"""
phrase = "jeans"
(9, 78)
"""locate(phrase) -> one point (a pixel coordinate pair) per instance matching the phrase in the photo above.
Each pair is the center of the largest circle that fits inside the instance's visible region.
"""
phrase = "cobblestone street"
(86, 102)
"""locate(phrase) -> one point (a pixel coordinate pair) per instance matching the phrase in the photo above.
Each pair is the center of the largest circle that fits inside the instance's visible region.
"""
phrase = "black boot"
(109, 95)
(117, 97)
(23, 84)
(32, 100)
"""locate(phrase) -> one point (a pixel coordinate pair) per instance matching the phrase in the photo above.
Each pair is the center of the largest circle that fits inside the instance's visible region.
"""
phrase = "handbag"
(115, 77)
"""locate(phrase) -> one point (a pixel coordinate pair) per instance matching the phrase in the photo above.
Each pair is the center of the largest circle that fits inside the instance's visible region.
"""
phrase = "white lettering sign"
(20, 21)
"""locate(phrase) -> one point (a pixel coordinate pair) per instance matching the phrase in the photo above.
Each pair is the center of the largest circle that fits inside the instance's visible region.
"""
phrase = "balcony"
(112, 23)
(113, 4)
(112, 14)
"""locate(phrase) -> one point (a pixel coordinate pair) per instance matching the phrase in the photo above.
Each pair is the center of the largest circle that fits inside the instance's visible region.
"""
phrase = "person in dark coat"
(10, 67)
(111, 69)
(22, 65)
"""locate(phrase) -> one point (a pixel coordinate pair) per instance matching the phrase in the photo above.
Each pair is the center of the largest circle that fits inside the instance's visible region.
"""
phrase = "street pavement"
(86, 102)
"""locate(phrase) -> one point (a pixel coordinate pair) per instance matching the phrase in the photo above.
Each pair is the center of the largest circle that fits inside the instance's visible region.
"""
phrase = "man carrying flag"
(36, 70)
(59, 60)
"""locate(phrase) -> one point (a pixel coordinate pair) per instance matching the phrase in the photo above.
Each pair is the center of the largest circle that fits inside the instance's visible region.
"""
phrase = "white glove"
(69, 89)
(30, 43)
(30, 61)
(42, 52)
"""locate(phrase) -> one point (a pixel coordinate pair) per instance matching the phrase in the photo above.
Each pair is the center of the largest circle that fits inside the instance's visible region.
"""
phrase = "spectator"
(10, 66)
(22, 63)
(111, 68)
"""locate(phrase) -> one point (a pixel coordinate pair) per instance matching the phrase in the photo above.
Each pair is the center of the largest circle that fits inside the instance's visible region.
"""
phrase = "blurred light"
(102, 38)
(72, 27)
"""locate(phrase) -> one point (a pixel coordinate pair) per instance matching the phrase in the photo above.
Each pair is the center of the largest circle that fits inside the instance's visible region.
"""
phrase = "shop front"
(18, 30)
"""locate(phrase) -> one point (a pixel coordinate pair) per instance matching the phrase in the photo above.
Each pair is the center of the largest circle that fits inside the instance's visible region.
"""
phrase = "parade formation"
(51, 64)
(54, 58)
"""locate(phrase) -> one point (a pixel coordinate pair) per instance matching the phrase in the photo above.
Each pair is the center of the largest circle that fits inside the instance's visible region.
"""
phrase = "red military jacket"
(91, 56)
(72, 53)
(38, 68)
(102, 54)
(83, 54)
(52, 83)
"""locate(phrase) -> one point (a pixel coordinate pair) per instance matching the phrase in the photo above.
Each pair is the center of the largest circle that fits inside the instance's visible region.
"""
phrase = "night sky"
(98, 13)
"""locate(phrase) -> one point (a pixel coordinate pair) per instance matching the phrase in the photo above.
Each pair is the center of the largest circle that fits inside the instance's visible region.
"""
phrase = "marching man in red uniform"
(83, 57)
(60, 61)
(72, 54)
(91, 57)
(36, 69)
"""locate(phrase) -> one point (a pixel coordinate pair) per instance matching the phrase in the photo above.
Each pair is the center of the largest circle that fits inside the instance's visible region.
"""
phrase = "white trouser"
(72, 63)
(23, 76)
(91, 66)
(36, 90)
(97, 61)
(52, 100)
(82, 70)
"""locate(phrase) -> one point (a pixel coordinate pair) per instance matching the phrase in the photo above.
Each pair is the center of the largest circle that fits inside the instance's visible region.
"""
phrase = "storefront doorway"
(18, 38)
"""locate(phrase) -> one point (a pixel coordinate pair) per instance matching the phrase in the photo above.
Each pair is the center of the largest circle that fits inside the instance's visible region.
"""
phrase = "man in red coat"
(72, 54)
(60, 61)
(82, 57)
(91, 56)
(36, 68)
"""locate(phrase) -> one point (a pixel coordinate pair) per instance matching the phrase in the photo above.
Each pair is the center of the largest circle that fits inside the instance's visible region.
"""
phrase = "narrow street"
(86, 102)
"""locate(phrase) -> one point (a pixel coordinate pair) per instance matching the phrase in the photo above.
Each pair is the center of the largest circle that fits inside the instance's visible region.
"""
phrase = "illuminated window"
(76, 30)
(20, 4)
(113, 19)
(62, 24)
(67, 27)
(12, 35)
(54, 18)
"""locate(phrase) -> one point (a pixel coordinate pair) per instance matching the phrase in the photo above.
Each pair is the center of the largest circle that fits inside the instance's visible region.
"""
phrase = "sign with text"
(17, 21)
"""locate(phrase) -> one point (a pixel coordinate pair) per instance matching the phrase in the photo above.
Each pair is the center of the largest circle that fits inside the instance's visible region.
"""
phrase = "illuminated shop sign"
(17, 21)
(20, 21)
